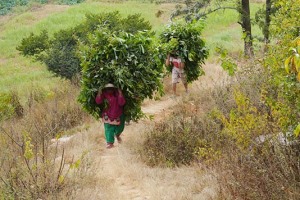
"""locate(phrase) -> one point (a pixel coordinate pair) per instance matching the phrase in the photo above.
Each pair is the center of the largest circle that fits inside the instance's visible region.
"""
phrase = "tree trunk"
(246, 25)
(267, 21)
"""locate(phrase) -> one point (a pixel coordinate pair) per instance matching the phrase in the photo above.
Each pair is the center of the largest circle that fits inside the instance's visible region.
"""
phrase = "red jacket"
(116, 102)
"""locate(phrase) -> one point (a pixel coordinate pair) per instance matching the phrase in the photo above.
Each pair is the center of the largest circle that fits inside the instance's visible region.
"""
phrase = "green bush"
(69, 2)
(60, 52)
(61, 58)
(10, 106)
(185, 38)
(34, 44)
(6, 6)
(6, 109)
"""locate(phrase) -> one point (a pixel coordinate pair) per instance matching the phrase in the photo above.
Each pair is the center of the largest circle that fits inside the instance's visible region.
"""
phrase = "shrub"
(61, 58)
(30, 165)
(69, 2)
(6, 6)
(183, 138)
(60, 52)
(10, 106)
(34, 44)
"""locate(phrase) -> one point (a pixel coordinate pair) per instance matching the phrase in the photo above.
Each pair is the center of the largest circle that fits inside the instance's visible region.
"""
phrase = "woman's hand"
(120, 92)
(99, 93)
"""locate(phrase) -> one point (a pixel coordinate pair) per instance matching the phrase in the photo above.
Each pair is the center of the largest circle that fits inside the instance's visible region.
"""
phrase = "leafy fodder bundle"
(126, 60)
(185, 39)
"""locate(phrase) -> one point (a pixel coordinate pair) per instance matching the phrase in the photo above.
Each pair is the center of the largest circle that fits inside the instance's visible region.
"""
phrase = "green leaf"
(297, 131)
(286, 64)
(297, 62)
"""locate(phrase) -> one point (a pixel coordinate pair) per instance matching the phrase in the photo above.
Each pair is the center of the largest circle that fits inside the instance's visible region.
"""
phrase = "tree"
(202, 8)
(246, 26)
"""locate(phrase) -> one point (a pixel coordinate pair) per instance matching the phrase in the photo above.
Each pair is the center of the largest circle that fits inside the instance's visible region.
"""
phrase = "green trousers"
(114, 130)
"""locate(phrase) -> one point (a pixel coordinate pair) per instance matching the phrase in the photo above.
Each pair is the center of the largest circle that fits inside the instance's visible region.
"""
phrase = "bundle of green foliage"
(60, 52)
(128, 61)
(185, 39)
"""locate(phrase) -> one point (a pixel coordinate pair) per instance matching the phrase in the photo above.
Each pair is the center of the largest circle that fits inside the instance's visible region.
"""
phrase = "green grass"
(18, 72)
(223, 30)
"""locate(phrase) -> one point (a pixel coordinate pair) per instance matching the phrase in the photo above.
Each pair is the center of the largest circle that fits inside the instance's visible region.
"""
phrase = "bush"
(6, 6)
(10, 106)
(61, 58)
(181, 139)
(34, 44)
(185, 38)
(69, 2)
(30, 165)
(60, 52)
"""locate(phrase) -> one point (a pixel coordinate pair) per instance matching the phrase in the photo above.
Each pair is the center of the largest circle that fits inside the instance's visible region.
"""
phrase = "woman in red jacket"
(113, 116)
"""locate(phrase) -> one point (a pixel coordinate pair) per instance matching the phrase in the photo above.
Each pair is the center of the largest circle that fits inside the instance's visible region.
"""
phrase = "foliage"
(185, 39)
(181, 139)
(6, 6)
(61, 58)
(124, 59)
(31, 166)
(6, 109)
(292, 63)
(283, 90)
(10, 106)
(244, 123)
(59, 52)
(227, 62)
(69, 2)
(34, 44)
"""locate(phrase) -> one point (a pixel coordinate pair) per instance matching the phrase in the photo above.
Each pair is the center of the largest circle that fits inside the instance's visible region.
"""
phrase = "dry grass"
(36, 168)
(124, 176)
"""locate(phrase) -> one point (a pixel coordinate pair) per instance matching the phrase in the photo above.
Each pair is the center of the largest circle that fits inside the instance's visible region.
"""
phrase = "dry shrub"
(179, 139)
(32, 168)
(273, 172)
(249, 169)
(223, 134)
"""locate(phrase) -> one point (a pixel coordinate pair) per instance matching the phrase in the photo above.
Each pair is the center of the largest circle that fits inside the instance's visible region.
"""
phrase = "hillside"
(234, 135)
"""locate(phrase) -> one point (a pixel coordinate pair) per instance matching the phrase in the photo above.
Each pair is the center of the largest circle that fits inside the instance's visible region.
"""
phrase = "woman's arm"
(99, 97)
(168, 60)
(182, 65)
(121, 99)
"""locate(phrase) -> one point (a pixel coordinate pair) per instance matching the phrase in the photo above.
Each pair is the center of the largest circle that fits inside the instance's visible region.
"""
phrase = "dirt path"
(119, 174)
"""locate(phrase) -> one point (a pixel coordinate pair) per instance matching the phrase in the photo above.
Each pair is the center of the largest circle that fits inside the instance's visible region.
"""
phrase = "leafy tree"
(244, 11)
(201, 8)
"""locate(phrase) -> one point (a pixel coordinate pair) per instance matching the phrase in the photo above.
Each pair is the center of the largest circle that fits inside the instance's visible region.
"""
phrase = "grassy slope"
(222, 29)
(19, 73)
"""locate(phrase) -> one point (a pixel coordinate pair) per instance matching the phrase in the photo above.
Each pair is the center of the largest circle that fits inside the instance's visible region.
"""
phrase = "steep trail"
(118, 173)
